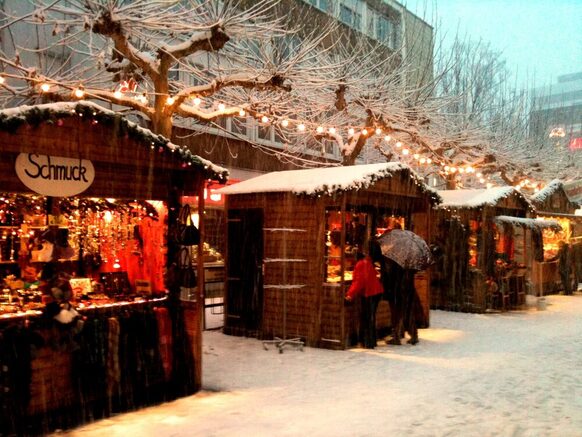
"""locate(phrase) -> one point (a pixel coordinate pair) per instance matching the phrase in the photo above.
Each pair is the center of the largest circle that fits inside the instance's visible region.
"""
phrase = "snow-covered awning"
(478, 198)
(12, 118)
(530, 223)
(327, 180)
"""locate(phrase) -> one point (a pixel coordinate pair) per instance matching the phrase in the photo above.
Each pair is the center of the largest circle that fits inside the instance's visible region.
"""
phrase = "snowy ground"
(510, 374)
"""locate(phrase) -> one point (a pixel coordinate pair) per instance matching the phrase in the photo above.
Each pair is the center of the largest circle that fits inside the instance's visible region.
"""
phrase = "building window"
(320, 4)
(349, 14)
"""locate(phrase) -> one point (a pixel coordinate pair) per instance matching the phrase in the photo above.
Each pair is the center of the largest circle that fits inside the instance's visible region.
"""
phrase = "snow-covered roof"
(11, 118)
(547, 191)
(477, 198)
(326, 180)
(531, 223)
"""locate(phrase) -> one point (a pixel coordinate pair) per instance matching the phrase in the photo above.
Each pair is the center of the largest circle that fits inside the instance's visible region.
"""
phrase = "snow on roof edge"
(338, 178)
(478, 198)
(547, 191)
(531, 223)
(212, 170)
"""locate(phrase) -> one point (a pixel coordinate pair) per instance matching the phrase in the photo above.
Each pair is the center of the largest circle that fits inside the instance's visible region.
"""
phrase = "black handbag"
(187, 233)
(187, 276)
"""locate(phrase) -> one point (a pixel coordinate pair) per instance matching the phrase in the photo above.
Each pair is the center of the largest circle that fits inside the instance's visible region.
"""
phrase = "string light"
(378, 131)
(265, 119)
(364, 132)
(285, 123)
(405, 151)
(118, 94)
(45, 87)
(428, 160)
(222, 107)
(351, 131)
(387, 138)
(242, 113)
(422, 160)
(319, 129)
(2, 80)
(301, 127)
(398, 144)
(197, 101)
(479, 175)
(416, 156)
(79, 92)
(332, 130)
(170, 101)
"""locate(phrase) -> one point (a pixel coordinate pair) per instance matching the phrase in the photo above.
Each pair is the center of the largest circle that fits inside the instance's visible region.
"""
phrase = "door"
(244, 282)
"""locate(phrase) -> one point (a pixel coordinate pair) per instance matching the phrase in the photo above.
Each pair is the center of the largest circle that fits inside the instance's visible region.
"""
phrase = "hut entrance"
(245, 279)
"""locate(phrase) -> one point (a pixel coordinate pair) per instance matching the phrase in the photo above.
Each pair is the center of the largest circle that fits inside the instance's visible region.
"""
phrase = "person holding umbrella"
(405, 254)
(366, 284)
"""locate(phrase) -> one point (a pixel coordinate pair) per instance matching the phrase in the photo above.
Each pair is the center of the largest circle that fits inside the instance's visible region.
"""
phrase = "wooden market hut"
(292, 239)
(48, 150)
(552, 203)
(484, 234)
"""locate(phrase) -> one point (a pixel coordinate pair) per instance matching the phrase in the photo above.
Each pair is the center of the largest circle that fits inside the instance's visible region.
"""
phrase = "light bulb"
(332, 130)
(398, 144)
(428, 160)
(378, 131)
(285, 123)
(170, 101)
(2, 80)
(387, 138)
(319, 129)
(242, 113)
(197, 101)
(118, 94)
(364, 132)
(405, 151)
(416, 156)
(79, 92)
(45, 87)
(351, 131)
(422, 160)
(221, 106)
(301, 127)
(265, 119)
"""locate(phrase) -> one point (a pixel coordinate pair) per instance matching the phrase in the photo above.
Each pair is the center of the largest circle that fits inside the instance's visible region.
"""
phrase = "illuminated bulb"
(398, 144)
(461, 170)
(416, 156)
(197, 101)
(365, 132)
(170, 101)
(265, 119)
(242, 113)
(221, 106)
(332, 130)
(422, 160)
(285, 123)
(79, 92)
(45, 87)
(489, 184)
(526, 182)
(517, 187)
(319, 129)
(387, 138)
(428, 160)
(479, 175)
(453, 169)
(116, 264)
(482, 180)
(2, 80)
(118, 94)
(301, 127)
(405, 151)
(351, 131)
(378, 131)
(536, 189)
(447, 168)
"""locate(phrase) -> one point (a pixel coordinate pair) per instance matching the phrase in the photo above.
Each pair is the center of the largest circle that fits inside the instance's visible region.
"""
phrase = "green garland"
(34, 116)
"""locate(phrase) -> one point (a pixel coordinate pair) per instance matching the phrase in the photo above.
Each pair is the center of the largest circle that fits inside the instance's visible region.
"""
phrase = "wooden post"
(342, 272)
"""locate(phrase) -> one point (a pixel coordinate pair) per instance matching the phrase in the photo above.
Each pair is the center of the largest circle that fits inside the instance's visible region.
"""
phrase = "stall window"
(357, 235)
(553, 238)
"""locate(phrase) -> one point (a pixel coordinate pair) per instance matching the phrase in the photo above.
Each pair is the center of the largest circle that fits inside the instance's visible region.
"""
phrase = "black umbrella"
(407, 249)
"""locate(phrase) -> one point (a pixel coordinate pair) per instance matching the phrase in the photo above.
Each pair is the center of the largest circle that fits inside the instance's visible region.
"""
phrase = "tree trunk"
(451, 182)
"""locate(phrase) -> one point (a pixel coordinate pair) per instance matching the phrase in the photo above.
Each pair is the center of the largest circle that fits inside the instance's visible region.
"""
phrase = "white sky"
(540, 39)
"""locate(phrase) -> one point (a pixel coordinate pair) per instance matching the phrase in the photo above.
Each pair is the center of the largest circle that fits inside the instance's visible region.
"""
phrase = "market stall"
(91, 320)
(485, 260)
(292, 243)
(553, 204)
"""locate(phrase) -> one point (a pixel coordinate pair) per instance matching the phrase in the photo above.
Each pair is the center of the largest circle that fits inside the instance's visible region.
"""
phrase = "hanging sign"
(54, 175)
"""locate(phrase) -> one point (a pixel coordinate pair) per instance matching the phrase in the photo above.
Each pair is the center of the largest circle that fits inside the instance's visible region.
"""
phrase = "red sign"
(576, 143)
(211, 198)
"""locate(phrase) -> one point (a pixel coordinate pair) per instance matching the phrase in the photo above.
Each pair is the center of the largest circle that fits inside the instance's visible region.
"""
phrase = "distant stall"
(553, 204)
(292, 243)
(487, 245)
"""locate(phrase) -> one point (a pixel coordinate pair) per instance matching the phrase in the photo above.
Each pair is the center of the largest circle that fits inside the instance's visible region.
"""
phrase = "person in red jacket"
(365, 283)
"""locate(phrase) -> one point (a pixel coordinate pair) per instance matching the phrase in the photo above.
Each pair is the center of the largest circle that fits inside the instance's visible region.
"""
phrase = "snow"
(497, 374)
(325, 180)
(476, 198)
(547, 191)
(529, 222)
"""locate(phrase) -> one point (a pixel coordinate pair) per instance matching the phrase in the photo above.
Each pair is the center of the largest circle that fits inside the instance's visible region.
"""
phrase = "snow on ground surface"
(504, 374)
